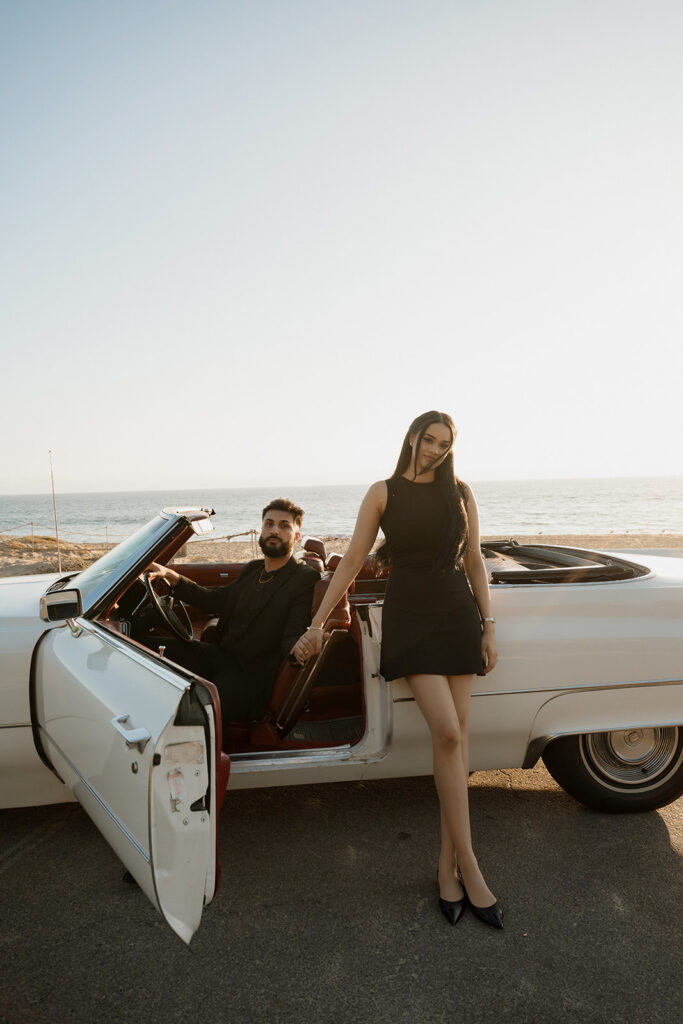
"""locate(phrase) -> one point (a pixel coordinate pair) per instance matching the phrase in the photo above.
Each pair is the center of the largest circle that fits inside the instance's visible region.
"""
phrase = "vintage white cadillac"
(590, 678)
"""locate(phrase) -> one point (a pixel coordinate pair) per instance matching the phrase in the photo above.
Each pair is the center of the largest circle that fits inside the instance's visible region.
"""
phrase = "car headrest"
(316, 547)
(311, 559)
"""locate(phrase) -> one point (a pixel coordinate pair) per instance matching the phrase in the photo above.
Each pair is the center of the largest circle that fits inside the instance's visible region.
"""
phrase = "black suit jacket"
(255, 643)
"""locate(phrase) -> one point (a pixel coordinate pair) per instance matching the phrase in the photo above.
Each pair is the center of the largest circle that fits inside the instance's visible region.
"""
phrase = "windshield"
(108, 564)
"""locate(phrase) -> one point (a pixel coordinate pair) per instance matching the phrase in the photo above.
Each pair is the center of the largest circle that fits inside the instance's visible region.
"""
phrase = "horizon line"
(261, 487)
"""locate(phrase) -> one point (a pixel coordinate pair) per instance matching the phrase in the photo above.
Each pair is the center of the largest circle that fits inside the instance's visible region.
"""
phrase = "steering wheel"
(174, 613)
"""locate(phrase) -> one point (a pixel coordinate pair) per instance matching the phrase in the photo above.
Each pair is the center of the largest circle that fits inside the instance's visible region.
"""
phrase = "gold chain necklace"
(268, 579)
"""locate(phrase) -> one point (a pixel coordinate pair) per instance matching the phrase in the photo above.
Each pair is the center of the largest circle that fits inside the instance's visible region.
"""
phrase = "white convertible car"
(590, 678)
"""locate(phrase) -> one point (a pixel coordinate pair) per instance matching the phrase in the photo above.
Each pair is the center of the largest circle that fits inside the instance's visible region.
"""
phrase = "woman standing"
(437, 629)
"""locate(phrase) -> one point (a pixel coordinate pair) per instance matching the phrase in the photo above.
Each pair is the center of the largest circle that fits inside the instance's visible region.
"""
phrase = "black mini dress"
(430, 620)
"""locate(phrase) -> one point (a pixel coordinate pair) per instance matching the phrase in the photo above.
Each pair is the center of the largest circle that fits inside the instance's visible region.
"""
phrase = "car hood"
(20, 629)
(20, 621)
(20, 595)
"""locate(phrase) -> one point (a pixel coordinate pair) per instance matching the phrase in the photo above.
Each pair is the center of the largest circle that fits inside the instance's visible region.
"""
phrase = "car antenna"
(54, 509)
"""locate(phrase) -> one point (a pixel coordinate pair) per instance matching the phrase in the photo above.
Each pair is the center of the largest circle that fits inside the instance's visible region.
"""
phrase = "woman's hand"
(489, 651)
(308, 644)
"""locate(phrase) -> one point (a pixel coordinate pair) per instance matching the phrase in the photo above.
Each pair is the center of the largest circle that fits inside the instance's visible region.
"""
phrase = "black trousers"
(222, 668)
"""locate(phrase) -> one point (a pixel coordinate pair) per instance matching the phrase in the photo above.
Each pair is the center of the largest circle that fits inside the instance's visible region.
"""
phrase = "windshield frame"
(101, 582)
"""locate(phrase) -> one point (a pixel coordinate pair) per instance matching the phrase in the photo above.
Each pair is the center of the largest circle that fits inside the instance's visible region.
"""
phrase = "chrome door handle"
(134, 737)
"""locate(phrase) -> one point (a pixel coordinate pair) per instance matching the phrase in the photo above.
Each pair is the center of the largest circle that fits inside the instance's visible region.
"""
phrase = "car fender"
(650, 703)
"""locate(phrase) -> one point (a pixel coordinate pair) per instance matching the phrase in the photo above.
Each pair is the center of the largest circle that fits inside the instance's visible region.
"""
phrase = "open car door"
(135, 740)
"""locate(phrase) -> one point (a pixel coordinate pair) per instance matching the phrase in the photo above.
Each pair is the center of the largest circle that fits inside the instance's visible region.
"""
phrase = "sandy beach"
(20, 556)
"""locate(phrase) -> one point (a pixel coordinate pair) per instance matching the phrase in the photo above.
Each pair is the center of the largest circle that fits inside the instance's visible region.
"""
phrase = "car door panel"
(181, 837)
(131, 740)
(210, 574)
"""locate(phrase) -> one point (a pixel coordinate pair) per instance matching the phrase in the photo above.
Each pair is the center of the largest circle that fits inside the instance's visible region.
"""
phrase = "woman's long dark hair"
(452, 489)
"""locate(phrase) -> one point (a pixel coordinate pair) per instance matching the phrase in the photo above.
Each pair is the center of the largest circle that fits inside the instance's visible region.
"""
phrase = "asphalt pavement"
(328, 913)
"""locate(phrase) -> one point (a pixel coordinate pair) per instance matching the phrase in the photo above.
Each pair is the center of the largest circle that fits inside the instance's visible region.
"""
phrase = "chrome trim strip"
(578, 689)
(288, 758)
(282, 755)
(105, 806)
(578, 583)
(563, 689)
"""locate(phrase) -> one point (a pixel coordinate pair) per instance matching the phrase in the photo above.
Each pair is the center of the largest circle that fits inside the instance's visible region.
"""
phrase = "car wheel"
(628, 770)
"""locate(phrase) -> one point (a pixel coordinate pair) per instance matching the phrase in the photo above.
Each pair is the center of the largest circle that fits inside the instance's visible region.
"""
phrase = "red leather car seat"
(293, 683)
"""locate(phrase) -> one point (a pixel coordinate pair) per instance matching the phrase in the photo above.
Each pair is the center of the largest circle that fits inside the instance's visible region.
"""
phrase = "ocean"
(593, 506)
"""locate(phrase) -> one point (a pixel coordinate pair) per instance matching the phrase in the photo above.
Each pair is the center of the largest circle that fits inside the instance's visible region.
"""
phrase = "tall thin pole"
(54, 509)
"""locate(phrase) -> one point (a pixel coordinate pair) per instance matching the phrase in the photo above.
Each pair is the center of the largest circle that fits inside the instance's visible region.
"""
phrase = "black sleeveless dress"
(430, 621)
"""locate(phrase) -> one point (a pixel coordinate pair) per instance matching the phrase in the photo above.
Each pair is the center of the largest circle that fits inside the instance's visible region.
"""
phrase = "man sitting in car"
(261, 615)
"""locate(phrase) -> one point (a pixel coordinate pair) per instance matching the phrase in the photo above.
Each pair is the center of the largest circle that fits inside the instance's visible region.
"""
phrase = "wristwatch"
(488, 618)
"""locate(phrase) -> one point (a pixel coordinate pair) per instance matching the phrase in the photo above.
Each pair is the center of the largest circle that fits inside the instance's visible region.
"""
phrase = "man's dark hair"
(284, 505)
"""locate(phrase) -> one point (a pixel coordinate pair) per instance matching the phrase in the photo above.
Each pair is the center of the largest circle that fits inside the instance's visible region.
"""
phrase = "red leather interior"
(294, 680)
(210, 574)
(293, 687)
(340, 617)
(313, 561)
(209, 631)
(316, 547)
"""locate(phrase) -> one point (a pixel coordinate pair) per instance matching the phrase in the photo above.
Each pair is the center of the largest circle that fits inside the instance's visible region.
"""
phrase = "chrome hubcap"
(634, 756)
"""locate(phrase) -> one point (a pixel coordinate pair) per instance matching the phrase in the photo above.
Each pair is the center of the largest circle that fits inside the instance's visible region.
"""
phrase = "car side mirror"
(62, 604)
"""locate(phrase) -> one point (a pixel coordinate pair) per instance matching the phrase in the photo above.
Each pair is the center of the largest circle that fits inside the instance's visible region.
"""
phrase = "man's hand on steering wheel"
(172, 611)
(164, 573)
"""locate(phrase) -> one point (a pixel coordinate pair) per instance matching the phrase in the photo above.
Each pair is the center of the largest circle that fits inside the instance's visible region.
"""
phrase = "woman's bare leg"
(435, 701)
(461, 689)
(438, 705)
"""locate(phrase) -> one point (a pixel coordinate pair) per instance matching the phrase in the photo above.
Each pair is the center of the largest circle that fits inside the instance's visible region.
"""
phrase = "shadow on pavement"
(328, 912)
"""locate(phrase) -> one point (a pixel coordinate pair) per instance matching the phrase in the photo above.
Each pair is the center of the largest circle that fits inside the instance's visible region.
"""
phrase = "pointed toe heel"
(452, 910)
(492, 915)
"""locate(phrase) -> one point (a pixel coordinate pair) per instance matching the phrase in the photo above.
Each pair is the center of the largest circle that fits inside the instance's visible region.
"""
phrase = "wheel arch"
(649, 704)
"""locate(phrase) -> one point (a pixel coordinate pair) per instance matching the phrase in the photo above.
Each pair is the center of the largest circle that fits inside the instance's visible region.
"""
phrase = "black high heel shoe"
(452, 910)
(492, 915)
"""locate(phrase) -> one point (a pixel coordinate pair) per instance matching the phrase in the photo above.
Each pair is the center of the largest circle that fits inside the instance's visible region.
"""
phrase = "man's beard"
(273, 547)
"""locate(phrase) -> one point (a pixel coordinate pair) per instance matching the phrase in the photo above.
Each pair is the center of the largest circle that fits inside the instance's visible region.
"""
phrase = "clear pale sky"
(245, 243)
